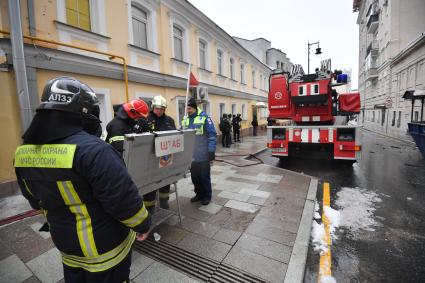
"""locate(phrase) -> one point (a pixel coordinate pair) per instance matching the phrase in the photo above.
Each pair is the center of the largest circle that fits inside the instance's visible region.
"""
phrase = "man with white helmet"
(158, 121)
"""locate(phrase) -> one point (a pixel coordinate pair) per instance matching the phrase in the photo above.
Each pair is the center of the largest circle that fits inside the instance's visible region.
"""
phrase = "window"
(140, 23)
(222, 109)
(416, 116)
(233, 109)
(393, 121)
(244, 113)
(302, 90)
(314, 89)
(243, 73)
(78, 14)
(178, 42)
(277, 64)
(202, 54)
(253, 79)
(219, 62)
(373, 116)
(383, 112)
(282, 66)
(232, 68)
(261, 81)
(399, 119)
(181, 105)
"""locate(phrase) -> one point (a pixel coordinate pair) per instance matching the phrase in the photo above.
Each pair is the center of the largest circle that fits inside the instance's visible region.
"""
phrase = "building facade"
(391, 62)
(156, 38)
(272, 57)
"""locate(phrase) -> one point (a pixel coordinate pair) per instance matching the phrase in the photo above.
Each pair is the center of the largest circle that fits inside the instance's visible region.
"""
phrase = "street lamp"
(318, 52)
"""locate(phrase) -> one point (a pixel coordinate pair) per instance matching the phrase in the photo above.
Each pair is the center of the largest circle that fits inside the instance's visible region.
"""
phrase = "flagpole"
(187, 91)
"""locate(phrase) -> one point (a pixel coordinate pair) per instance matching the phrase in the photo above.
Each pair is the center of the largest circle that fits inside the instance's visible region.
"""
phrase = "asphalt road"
(381, 201)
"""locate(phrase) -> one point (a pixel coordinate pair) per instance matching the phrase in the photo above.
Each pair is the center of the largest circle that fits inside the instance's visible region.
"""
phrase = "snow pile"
(357, 207)
(334, 217)
(318, 235)
(327, 279)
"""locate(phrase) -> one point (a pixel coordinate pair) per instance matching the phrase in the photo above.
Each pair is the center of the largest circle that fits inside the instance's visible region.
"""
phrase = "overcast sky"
(290, 24)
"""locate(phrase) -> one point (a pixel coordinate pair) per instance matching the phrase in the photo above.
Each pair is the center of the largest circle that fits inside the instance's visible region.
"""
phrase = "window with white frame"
(253, 78)
(261, 81)
(78, 14)
(87, 15)
(244, 112)
(234, 109)
(264, 113)
(178, 42)
(202, 54)
(232, 68)
(139, 20)
(222, 109)
(243, 73)
(219, 62)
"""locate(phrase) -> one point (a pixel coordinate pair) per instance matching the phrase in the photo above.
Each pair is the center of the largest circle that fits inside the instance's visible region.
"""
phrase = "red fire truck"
(306, 111)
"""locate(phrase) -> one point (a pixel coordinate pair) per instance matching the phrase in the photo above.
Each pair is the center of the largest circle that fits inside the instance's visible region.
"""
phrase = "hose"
(239, 165)
(19, 216)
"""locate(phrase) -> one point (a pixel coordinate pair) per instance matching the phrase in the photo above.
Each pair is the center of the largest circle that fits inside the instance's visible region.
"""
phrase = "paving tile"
(48, 266)
(204, 246)
(281, 213)
(258, 265)
(264, 247)
(234, 196)
(256, 200)
(245, 179)
(241, 185)
(36, 227)
(227, 236)
(5, 250)
(161, 273)
(270, 178)
(20, 239)
(211, 208)
(170, 234)
(190, 209)
(34, 279)
(13, 205)
(282, 222)
(255, 193)
(243, 206)
(271, 232)
(139, 263)
(12, 269)
(202, 228)
(216, 199)
(238, 220)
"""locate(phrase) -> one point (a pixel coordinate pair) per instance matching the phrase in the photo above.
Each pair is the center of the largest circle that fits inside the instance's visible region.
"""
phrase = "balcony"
(371, 69)
(372, 23)
(373, 49)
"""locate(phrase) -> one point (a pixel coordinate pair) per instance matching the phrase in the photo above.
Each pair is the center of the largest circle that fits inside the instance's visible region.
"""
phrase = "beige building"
(391, 62)
(156, 38)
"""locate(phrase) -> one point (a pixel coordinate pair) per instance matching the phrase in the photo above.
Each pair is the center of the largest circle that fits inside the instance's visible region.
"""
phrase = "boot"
(163, 203)
(151, 209)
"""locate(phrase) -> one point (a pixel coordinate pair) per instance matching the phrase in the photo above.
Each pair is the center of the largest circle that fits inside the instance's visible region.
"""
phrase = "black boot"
(196, 198)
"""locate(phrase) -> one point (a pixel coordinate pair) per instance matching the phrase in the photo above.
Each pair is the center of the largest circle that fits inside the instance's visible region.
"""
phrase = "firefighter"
(158, 121)
(236, 122)
(205, 144)
(224, 127)
(131, 117)
(81, 184)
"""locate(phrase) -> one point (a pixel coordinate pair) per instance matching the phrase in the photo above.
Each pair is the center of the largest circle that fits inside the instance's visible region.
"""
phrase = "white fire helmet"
(159, 101)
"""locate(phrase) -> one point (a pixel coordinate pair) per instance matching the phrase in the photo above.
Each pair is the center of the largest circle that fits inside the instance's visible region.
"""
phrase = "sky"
(290, 24)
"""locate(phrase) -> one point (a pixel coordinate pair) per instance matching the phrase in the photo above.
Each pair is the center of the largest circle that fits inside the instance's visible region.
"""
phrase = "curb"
(390, 137)
(296, 265)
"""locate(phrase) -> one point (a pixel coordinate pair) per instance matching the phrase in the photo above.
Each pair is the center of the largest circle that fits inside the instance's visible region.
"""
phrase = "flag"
(193, 81)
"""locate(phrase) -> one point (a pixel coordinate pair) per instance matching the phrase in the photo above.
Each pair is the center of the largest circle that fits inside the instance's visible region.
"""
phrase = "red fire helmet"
(136, 109)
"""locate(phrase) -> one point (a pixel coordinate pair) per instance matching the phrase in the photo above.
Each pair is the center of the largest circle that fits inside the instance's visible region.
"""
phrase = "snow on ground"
(357, 207)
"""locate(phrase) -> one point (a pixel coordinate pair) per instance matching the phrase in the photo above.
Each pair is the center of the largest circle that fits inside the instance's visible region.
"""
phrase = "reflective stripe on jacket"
(206, 136)
(82, 185)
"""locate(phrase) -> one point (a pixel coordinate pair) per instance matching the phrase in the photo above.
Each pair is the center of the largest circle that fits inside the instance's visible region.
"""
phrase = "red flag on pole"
(193, 81)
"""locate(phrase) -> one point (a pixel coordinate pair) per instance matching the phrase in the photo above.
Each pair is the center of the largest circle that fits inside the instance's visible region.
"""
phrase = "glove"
(211, 156)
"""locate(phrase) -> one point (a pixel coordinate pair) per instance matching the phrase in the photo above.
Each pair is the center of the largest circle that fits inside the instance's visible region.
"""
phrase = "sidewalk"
(256, 229)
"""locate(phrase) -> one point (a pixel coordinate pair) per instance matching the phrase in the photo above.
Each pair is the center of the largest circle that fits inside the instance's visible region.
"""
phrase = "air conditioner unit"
(202, 93)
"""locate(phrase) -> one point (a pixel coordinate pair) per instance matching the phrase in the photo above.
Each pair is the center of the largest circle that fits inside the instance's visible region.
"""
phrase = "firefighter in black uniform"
(130, 118)
(158, 121)
(82, 185)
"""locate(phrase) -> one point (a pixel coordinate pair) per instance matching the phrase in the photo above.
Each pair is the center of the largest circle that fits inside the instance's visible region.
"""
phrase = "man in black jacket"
(92, 206)
(130, 118)
(158, 121)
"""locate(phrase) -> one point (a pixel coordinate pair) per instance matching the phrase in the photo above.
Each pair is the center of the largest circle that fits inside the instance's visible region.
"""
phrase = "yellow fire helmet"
(159, 101)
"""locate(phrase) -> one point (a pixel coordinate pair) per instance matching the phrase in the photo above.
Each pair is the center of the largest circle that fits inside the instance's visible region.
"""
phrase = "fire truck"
(307, 112)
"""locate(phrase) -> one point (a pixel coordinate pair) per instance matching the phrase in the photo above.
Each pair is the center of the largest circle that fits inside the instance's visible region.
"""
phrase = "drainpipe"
(31, 17)
(19, 63)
